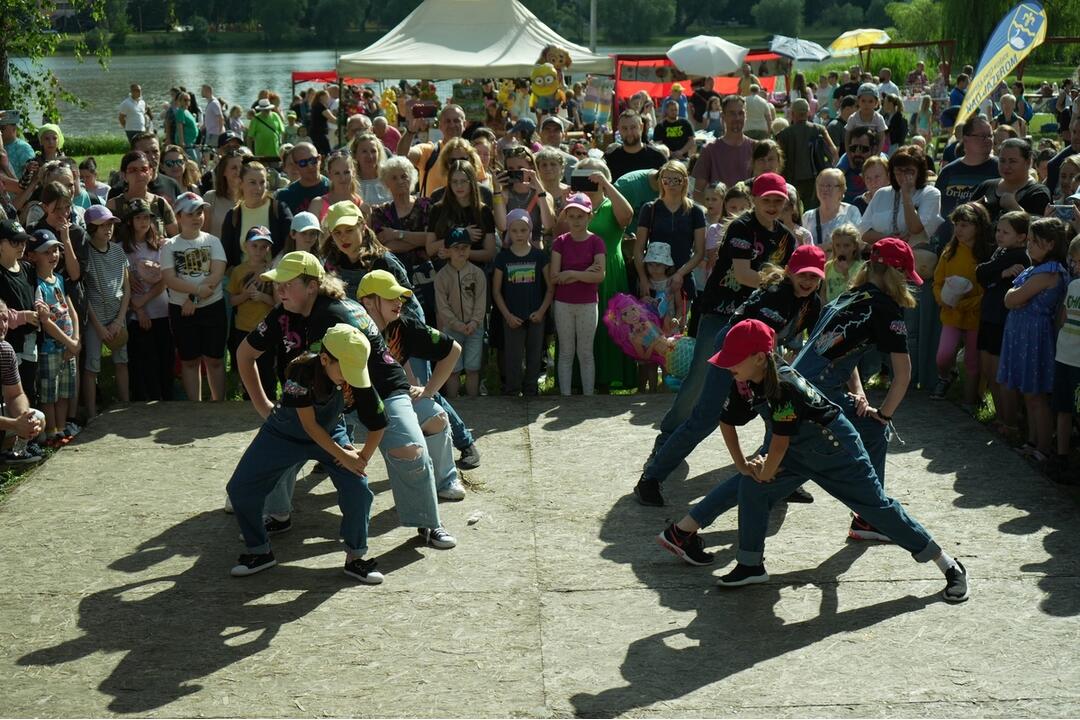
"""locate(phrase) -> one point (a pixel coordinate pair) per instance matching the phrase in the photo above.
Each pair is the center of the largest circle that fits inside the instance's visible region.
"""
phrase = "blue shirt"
(855, 184)
(19, 153)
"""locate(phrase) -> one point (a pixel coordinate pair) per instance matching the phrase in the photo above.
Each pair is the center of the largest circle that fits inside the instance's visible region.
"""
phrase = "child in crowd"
(792, 219)
(844, 263)
(1067, 370)
(996, 277)
(150, 341)
(1027, 348)
(108, 292)
(522, 291)
(577, 269)
(959, 294)
(670, 307)
(252, 298)
(304, 234)
(292, 129)
(60, 344)
(461, 301)
(308, 424)
(867, 115)
(193, 263)
(713, 199)
(18, 280)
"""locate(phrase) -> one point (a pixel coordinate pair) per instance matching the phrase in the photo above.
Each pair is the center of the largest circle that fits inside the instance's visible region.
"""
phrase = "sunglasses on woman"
(174, 162)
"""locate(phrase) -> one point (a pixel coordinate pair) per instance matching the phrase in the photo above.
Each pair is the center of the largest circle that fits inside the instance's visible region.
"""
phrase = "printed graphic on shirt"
(294, 389)
(785, 413)
(838, 334)
(193, 262)
(521, 273)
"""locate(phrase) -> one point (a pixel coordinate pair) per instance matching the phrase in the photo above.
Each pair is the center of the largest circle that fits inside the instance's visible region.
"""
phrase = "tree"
(635, 20)
(916, 21)
(279, 18)
(331, 18)
(876, 15)
(25, 33)
(782, 17)
(687, 12)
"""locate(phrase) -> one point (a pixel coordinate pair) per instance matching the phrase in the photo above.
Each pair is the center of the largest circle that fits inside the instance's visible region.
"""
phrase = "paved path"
(116, 598)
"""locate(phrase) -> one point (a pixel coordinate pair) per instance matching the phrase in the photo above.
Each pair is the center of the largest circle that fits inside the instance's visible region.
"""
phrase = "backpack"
(819, 152)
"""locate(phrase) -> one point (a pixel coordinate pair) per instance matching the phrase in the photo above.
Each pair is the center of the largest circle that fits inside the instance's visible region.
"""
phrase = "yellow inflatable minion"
(546, 90)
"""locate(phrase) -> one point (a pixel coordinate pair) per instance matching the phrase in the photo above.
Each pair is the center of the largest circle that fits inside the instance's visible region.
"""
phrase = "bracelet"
(542, 194)
(400, 234)
(883, 416)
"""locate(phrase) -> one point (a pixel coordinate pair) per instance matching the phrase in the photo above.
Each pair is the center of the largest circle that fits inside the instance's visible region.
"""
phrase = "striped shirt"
(105, 281)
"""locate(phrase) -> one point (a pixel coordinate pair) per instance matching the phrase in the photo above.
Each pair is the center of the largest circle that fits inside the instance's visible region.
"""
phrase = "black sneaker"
(10, 459)
(363, 570)
(744, 575)
(35, 450)
(251, 564)
(437, 538)
(862, 530)
(648, 493)
(956, 584)
(470, 458)
(799, 495)
(686, 545)
(276, 527)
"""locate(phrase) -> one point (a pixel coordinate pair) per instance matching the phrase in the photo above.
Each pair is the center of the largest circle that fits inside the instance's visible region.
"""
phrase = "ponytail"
(889, 279)
(771, 382)
(771, 275)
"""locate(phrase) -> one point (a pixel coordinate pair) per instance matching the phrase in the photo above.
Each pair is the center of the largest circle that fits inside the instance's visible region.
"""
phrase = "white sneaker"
(437, 537)
(455, 491)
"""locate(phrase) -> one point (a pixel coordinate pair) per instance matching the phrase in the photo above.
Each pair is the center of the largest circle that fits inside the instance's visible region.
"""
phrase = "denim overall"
(281, 444)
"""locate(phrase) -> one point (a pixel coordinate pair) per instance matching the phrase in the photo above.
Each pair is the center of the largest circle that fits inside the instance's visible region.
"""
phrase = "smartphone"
(1062, 212)
(423, 110)
(515, 175)
(579, 181)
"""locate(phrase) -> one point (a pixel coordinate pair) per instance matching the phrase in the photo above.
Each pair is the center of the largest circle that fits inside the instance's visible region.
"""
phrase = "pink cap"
(580, 201)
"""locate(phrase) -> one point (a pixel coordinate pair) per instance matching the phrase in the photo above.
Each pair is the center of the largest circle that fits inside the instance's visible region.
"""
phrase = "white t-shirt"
(213, 119)
(757, 113)
(885, 216)
(1068, 341)
(191, 260)
(847, 214)
(888, 87)
(134, 112)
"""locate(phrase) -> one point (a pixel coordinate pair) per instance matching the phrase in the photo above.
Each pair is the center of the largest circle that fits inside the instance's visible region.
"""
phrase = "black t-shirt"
(620, 162)
(848, 88)
(870, 319)
(318, 125)
(744, 239)
(1033, 197)
(837, 133)
(699, 102)
(17, 291)
(781, 309)
(308, 385)
(407, 338)
(989, 276)
(673, 134)
(799, 402)
(523, 286)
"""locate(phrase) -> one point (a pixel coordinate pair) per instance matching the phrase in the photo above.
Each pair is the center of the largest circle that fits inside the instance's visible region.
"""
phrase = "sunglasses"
(859, 148)
(672, 180)
(307, 161)
(176, 162)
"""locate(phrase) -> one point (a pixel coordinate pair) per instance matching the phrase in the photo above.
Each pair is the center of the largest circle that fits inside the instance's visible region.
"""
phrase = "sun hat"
(189, 202)
(895, 253)
(351, 348)
(294, 265)
(383, 284)
(659, 252)
(263, 105)
(743, 340)
(52, 127)
(807, 259)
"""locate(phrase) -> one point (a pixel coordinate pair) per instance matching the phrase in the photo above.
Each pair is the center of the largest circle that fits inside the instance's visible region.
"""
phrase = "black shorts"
(990, 335)
(202, 334)
(1066, 397)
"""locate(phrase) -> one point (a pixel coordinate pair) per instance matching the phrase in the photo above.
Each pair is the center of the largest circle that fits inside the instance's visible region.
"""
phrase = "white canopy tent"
(450, 39)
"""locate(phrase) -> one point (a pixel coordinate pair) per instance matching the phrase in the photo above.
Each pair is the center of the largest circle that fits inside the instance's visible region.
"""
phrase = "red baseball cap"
(742, 341)
(896, 253)
(807, 259)
(769, 184)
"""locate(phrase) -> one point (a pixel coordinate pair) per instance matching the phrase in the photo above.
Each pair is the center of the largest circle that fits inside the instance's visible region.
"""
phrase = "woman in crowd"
(767, 156)
(462, 206)
(341, 170)
(135, 168)
(518, 188)
(1014, 190)
(832, 212)
(174, 164)
(875, 176)
(675, 219)
(319, 122)
(461, 150)
(226, 192)
(255, 207)
(368, 154)
(89, 178)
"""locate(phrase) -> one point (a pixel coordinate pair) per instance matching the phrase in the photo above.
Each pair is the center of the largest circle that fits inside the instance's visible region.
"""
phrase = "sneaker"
(799, 495)
(455, 491)
(956, 584)
(862, 530)
(685, 545)
(744, 575)
(15, 460)
(437, 537)
(470, 458)
(250, 564)
(276, 527)
(35, 450)
(941, 387)
(72, 429)
(648, 493)
(363, 570)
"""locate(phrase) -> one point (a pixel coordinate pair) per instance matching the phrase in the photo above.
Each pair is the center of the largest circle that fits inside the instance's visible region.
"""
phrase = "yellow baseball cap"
(350, 347)
(383, 284)
(294, 265)
(345, 212)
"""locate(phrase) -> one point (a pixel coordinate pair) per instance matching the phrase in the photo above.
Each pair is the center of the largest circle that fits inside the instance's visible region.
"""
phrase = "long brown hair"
(977, 215)
(454, 213)
(771, 382)
(370, 248)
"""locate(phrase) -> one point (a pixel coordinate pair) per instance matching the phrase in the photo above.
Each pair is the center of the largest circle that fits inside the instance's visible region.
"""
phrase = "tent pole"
(592, 25)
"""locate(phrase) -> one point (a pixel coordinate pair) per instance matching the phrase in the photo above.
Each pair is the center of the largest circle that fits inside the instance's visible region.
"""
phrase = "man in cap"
(266, 130)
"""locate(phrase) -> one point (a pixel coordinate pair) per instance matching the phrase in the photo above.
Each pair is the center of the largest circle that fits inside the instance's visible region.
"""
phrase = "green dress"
(615, 370)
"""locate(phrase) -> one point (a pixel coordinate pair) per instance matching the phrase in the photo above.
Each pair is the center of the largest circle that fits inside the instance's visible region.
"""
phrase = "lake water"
(236, 77)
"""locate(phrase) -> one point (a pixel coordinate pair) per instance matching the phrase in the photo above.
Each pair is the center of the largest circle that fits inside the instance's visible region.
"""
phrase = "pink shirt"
(391, 138)
(577, 255)
(719, 161)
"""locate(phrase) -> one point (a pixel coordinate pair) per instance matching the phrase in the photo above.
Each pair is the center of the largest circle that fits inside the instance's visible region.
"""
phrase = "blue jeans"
(712, 327)
(270, 456)
(462, 437)
(834, 458)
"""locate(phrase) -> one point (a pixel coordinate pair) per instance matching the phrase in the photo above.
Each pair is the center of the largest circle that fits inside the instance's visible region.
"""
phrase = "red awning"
(655, 74)
(325, 76)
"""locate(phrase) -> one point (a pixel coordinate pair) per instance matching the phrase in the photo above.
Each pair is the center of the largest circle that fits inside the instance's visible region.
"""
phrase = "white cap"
(304, 221)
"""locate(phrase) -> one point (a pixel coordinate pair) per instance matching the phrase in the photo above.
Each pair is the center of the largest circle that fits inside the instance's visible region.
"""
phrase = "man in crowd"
(389, 135)
(552, 128)
(958, 180)
(862, 143)
(674, 132)
(633, 153)
(213, 117)
(19, 152)
(850, 86)
(133, 115)
(1053, 168)
(916, 79)
(759, 115)
(357, 124)
(726, 159)
(699, 100)
(747, 79)
(956, 96)
(266, 129)
(887, 86)
(799, 143)
(638, 187)
(298, 194)
(425, 156)
(837, 127)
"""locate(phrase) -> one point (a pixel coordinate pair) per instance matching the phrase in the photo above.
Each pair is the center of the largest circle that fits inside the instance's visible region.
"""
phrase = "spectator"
(187, 128)
(17, 416)
(297, 196)
(916, 79)
(746, 79)
(1072, 137)
(1014, 190)
(679, 97)
(867, 114)
(675, 133)
(423, 156)
(701, 99)
(808, 149)
(759, 115)
(956, 96)
(675, 219)
(256, 207)
(832, 212)
(887, 86)
(341, 170)
(388, 135)
(862, 144)
(837, 127)
(213, 117)
(893, 112)
(89, 180)
(226, 190)
(135, 168)
(909, 208)
(726, 159)
(632, 153)
(266, 130)
(1009, 116)
(133, 115)
(461, 301)
(150, 342)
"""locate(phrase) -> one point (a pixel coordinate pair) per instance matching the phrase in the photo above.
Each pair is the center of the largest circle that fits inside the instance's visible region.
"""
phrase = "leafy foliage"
(783, 17)
(916, 21)
(634, 20)
(279, 18)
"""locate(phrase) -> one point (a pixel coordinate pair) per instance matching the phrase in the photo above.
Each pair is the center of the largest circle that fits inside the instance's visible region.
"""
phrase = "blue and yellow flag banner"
(1021, 30)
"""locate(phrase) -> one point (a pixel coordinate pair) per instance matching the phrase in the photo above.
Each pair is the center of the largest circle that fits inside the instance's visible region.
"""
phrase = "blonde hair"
(447, 151)
(674, 167)
(846, 231)
(246, 170)
(771, 275)
(889, 279)
(342, 157)
(837, 175)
